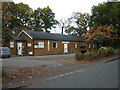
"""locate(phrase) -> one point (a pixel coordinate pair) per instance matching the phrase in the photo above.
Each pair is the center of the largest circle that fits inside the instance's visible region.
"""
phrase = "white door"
(19, 48)
(65, 48)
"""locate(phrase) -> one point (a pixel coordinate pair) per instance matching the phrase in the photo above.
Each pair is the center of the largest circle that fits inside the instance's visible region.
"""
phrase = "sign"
(40, 44)
(65, 42)
(11, 44)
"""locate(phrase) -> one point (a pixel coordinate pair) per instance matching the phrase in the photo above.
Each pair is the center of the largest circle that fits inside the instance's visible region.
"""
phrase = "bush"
(83, 51)
(106, 51)
(80, 56)
(93, 54)
(102, 51)
(117, 51)
(111, 51)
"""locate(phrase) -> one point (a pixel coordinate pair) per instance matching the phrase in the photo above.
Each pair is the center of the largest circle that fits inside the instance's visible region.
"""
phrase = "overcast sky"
(63, 8)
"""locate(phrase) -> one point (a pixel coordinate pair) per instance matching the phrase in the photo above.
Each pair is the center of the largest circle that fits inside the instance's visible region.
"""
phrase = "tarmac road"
(98, 76)
(73, 76)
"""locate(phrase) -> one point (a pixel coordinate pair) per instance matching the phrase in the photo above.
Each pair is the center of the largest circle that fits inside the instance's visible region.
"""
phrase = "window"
(40, 44)
(75, 45)
(35, 46)
(55, 45)
(82, 46)
(11, 44)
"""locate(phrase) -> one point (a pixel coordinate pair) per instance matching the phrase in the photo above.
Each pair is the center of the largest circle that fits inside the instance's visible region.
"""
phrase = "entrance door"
(65, 48)
(19, 48)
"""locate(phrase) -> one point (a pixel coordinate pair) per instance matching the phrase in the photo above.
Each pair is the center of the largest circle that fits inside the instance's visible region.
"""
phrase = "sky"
(63, 8)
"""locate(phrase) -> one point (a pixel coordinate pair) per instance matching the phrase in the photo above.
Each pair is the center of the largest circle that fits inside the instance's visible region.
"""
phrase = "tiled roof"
(18, 38)
(36, 35)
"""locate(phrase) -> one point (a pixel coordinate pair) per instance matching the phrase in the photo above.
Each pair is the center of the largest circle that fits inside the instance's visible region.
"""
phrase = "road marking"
(61, 75)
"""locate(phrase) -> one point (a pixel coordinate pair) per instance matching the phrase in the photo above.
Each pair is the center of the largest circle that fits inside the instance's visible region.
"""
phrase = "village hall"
(30, 42)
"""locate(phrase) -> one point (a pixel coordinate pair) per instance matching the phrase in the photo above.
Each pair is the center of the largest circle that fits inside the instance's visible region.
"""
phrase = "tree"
(44, 19)
(107, 13)
(15, 17)
(6, 17)
(101, 34)
(21, 16)
(79, 23)
(63, 24)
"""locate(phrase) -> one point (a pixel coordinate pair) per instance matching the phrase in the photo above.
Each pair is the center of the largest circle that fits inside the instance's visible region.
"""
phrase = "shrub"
(111, 51)
(93, 54)
(102, 51)
(106, 51)
(80, 56)
(83, 51)
(117, 51)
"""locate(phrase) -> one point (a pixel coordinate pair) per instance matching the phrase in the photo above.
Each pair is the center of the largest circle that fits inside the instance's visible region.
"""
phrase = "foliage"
(80, 56)
(14, 17)
(93, 54)
(100, 34)
(43, 19)
(17, 17)
(106, 51)
(83, 51)
(6, 35)
(78, 23)
(90, 55)
(107, 13)
(87, 56)
(117, 51)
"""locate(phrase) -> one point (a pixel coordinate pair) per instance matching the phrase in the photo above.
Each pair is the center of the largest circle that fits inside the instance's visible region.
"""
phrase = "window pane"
(75, 45)
(54, 45)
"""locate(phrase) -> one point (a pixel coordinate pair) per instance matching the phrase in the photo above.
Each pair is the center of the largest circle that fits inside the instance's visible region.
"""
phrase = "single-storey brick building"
(40, 43)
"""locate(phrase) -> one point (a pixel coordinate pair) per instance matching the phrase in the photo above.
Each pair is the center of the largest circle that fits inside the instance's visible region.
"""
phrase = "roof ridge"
(36, 35)
(51, 33)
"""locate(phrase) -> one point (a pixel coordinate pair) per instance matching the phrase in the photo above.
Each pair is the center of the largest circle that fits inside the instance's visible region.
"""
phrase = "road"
(103, 75)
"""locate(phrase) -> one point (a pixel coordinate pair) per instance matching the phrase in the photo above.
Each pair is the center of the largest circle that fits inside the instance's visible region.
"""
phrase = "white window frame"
(75, 45)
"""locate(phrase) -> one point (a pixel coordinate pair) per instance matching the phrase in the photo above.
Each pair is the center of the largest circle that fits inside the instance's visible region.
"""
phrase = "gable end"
(25, 33)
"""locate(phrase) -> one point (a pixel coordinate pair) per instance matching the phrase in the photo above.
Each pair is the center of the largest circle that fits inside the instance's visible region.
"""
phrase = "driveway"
(31, 61)
(25, 67)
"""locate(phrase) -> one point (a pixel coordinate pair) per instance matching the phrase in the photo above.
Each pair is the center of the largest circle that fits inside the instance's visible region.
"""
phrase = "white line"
(53, 78)
(61, 75)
